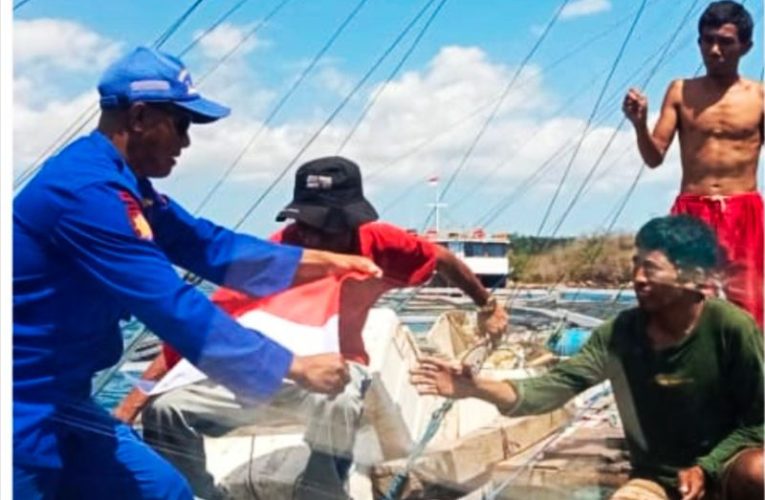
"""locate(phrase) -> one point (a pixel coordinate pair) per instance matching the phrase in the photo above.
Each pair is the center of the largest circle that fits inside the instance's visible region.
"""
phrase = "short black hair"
(727, 11)
(687, 242)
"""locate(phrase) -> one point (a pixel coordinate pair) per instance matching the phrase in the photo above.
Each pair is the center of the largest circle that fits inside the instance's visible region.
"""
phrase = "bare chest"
(737, 115)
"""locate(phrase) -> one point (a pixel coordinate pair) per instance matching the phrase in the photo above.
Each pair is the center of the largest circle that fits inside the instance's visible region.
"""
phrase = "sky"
(430, 119)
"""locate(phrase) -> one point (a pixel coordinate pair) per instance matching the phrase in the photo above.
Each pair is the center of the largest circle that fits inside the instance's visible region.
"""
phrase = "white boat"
(485, 254)
(257, 462)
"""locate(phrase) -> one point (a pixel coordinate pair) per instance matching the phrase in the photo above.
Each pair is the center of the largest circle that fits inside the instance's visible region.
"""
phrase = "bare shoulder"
(677, 84)
(692, 85)
(754, 86)
(675, 91)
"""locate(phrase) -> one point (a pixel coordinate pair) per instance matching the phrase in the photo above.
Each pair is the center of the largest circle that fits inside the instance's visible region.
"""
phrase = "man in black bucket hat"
(328, 211)
(329, 195)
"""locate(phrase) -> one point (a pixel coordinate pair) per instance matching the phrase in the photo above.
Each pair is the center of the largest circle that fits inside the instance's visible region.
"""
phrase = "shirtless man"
(719, 120)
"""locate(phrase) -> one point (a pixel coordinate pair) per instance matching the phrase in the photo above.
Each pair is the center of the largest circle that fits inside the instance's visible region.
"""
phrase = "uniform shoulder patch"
(138, 222)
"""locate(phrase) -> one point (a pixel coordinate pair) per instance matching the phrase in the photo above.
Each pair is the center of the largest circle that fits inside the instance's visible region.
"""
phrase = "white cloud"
(55, 60)
(37, 128)
(232, 80)
(60, 44)
(444, 103)
(580, 8)
(56, 67)
(536, 29)
(224, 38)
(334, 80)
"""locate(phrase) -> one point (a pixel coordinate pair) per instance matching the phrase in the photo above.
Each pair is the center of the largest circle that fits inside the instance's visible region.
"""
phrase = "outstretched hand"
(434, 376)
(341, 264)
(317, 264)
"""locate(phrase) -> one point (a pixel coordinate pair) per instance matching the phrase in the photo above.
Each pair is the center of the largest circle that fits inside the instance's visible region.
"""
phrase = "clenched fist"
(492, 319)
(635, 107)
(324, 373)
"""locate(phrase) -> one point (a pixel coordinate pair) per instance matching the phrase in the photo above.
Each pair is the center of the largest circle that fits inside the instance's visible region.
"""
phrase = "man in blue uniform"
(95, 243)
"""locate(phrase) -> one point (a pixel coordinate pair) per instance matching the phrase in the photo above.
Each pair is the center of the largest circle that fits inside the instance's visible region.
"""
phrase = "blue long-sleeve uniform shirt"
(93, 244)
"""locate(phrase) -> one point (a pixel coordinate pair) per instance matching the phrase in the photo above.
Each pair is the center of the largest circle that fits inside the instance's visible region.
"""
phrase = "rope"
(212, 28)
(328, 120)
(615, 132)
(438, 416)
(468, 153)
(392, 74)
(177, 24)
(20, 3)
(475, 112)
(394, 489)
(630, 191)
(279, 105)
(592, 115)
(303, 75)
(436, 419)
(221, 60)
(554, 440)
(622, 204)
(88, 114)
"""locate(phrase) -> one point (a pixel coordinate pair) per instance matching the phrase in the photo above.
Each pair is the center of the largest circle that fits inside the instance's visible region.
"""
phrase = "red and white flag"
(433, 180)
(304, 319)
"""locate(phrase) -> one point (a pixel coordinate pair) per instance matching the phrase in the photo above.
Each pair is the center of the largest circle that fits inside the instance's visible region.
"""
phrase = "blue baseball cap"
(149, 75)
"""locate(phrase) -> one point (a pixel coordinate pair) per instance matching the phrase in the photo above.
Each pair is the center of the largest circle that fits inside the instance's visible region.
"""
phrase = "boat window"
(456, 247)
(481, 249)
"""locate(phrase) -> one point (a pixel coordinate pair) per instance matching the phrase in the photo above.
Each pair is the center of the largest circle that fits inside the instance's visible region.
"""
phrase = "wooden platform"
(461, 466)
(588, 462)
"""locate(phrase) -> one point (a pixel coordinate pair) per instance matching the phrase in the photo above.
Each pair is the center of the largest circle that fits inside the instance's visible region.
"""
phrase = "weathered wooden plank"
(470, 459)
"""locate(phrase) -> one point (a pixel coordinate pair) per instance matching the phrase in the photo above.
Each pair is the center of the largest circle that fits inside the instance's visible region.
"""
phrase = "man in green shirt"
(686, 372)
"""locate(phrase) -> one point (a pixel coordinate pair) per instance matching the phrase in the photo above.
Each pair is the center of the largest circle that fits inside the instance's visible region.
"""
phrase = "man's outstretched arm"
(517, 397)
(492, 316)
(438, 377)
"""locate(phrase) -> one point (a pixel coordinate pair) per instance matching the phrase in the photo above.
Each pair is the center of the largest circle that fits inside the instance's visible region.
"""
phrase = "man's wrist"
(296, 369)
(489, 306)
(500, 393)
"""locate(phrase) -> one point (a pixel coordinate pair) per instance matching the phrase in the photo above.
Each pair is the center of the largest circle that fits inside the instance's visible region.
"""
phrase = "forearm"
(316, 264)
(221, 256)
(650, 151)
(500, 393)
(459, 275)
(312, 266)
(136, 400)
(553, 389)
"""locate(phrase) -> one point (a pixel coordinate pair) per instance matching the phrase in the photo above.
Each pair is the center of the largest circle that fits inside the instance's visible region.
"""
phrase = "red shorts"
(738, 222)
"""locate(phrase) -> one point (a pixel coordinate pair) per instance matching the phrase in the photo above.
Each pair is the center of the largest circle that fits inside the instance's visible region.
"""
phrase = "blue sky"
(458, 70)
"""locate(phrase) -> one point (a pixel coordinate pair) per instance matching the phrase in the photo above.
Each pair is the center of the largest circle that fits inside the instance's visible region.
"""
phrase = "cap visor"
(204, 110)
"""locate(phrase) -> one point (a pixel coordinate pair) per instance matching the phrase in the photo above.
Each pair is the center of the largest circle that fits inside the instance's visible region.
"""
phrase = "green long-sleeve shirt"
(695, 403)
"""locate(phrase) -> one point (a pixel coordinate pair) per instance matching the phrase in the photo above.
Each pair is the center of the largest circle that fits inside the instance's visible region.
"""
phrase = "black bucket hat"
(328, 196)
